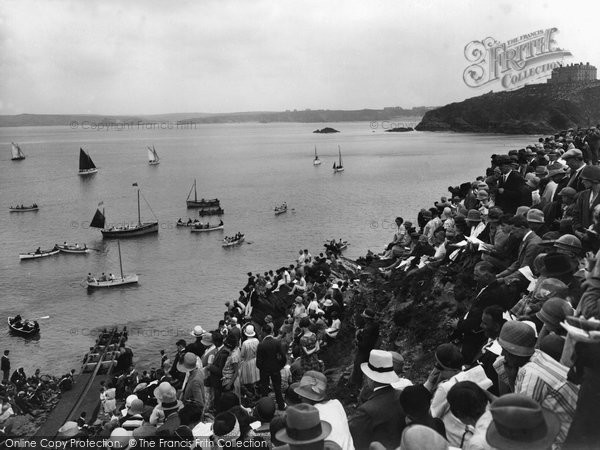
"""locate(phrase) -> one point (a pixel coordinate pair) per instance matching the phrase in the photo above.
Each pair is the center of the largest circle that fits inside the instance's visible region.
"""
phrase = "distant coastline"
(304, 116)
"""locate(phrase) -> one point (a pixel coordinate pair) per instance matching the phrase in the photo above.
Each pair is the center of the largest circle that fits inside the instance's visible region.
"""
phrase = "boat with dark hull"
(23, 327)
(207, 207)
(22, 208)
(86, 165)
(124, 231)
(17, 153)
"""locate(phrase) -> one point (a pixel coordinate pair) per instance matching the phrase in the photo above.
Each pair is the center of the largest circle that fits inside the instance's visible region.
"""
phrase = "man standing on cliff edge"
(5, 367)
(366, 339)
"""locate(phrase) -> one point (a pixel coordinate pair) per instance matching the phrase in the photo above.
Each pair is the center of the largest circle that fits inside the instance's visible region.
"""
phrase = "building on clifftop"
(573, 73)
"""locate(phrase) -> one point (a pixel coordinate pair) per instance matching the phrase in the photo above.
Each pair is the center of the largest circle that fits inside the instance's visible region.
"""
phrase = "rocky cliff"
(538, 108)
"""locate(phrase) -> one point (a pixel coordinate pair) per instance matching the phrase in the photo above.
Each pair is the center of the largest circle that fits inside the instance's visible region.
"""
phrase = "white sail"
(17, 153)
(152, 155)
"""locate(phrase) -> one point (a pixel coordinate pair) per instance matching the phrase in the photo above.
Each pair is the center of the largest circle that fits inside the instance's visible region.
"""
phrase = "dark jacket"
(5, 364)
(366, 338)
(512, 196)
(270, 355)
(380, 418)
(582, 212)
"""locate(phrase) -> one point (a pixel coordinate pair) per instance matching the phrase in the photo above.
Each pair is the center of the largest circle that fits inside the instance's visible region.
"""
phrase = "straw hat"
(380, 367)
(312, 386)
(163, 389)
(520, 422)
(207, 339)
(303, 425)
(535, 216)
(120, 438)
(169, 402)
(249, 331)
(198, 331)
(187, 363)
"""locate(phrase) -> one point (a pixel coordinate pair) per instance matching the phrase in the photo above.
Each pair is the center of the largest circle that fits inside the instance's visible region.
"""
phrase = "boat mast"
(139, 215)
(195, 193)
(120, 262)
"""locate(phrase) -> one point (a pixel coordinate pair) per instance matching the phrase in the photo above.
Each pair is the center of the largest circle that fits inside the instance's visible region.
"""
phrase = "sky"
(214, 56)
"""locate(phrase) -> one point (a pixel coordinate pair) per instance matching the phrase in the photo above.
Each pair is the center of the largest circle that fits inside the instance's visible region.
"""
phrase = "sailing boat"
(124, 231)
(124, 279)
(86, 165)
(339, 167)
(17, 153)
(317, 161)
(153, 158)
(212, 206)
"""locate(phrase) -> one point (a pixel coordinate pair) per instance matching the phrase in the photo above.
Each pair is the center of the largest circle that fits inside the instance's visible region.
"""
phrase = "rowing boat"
(121, 281)
(73, 248)
(197, 229)
(24, 209)
(280, 209)
(40, 254)
(227, 243)
(23, 327)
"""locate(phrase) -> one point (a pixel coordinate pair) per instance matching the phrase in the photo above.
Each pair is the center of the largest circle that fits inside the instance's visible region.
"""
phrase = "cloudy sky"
(155, 56)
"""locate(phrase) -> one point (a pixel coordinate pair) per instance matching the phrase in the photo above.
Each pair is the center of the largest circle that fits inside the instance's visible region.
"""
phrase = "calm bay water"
(185, 277)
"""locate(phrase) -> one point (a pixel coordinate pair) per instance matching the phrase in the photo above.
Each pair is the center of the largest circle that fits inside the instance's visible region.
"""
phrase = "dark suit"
(271, 356)
(528, 250)
(513, 194)
(582, 212)
(380, 418)
(193, 391)
(5, 367)
(575, 181)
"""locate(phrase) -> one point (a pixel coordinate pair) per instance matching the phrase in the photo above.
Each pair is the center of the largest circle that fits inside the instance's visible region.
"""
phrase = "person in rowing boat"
(103, 277)
(38, 251)
(189, 221)
(17, 321)
(90, 278)
(220, 223)
(111, 277)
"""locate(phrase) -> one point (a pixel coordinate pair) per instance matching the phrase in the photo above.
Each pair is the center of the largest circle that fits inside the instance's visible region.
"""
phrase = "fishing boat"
(202, 203)
(189, 223)
(316, 161)
(124, 231)
(234, 240)
(121, 281)
(202, 228)
(23, 327)
(211, 211)
(39, 253)
(73, 248)
(86, 165)
(22, 208)
(281, 209)
(340, 166)
(153, 158)
(17, 153)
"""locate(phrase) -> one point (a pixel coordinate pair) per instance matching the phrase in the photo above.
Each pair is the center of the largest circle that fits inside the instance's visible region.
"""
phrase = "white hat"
(198, 331)
(249, 331)
(335, 286)
(380, 367)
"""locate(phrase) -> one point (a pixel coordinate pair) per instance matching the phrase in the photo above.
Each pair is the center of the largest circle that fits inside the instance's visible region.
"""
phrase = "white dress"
(249, 374)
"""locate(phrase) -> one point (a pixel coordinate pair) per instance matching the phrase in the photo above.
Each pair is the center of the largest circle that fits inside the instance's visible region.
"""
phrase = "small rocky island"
(326, 130)
(400, 129)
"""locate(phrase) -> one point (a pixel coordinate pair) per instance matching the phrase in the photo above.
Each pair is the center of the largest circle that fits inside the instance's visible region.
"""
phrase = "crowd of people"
(520, 368)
